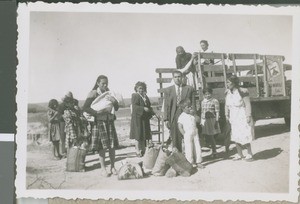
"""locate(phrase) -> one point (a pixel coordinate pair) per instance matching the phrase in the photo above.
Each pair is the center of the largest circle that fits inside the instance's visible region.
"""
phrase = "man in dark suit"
(173, 95)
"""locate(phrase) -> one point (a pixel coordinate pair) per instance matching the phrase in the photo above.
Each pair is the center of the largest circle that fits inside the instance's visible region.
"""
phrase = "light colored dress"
(241, 131)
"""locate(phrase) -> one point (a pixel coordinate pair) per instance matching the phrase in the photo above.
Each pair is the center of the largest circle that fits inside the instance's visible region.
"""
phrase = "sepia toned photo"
(157, 102)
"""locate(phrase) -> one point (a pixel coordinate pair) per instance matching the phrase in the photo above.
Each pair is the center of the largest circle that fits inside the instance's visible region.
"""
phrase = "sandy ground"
(268, 173)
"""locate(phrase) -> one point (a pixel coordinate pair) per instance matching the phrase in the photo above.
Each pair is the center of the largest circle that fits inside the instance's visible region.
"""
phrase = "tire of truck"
(287, 121)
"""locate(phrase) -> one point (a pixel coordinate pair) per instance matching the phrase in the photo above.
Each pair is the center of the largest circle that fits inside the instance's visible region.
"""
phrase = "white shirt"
(176, 89)
(188, 122)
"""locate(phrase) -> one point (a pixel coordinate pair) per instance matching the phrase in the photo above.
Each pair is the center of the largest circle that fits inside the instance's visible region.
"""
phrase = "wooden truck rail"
(264, 78)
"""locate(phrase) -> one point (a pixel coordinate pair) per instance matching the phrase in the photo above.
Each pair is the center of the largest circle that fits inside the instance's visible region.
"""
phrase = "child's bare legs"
(56, 149)
(213, 144)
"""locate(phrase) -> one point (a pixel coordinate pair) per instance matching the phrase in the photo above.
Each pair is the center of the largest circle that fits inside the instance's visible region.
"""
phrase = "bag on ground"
(131, 170)
(180, 164)
(161, 167)
(150, 157)
(76, 159)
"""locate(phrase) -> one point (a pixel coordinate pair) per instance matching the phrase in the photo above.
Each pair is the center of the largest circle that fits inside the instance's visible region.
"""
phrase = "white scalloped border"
(22, 85)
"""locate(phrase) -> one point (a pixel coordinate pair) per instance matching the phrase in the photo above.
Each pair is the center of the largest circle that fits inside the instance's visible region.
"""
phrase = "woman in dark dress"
(140, 118)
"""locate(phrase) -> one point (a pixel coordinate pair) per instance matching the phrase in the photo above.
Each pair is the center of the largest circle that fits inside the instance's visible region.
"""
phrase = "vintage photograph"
(148, 101)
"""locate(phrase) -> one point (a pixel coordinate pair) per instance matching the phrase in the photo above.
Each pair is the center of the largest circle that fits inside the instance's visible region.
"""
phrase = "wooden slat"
(214, 79)
(165, 70)
(247, 79)
(162, 90)
(242, 56)
(164, 80)
(242, 68)
(211, 55)
(214, 68)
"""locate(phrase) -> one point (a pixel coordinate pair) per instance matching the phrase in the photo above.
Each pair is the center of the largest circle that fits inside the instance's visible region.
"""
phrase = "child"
(54, 131)
(72, 121)
(141, 114)
(187, 127)
(210, 109)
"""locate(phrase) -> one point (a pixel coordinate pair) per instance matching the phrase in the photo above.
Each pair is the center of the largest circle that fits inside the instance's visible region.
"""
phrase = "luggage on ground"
(131, 170)
(161, 167)
(76, 159)
(180, 164)
(150, 157)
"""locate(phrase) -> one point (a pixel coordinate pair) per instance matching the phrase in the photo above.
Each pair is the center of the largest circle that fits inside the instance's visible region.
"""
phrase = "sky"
(68, 51)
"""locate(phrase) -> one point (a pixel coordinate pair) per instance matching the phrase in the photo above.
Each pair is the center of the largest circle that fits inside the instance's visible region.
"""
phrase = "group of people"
(65, 124)
(180, 116)
(93, 124)
(70, 125)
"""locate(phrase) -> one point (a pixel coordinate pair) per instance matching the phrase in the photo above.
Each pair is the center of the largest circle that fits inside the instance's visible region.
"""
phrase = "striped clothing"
(209, 108)
(104, 135)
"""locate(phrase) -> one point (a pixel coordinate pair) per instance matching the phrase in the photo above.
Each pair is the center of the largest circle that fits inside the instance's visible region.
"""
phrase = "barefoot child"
(54, 131)
(187, 127)
(210, 109)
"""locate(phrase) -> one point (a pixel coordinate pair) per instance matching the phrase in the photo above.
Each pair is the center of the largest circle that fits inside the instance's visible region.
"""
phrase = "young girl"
(210, 109)
(54, 131)
(187, 127)
(140, 118)
(71, 118)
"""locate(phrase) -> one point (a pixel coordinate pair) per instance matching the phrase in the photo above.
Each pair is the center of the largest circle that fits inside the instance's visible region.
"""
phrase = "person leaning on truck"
(173, 95)
(238, 113)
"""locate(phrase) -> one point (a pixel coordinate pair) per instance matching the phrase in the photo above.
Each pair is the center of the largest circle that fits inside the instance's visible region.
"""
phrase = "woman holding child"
(104, 127)
(140, 117)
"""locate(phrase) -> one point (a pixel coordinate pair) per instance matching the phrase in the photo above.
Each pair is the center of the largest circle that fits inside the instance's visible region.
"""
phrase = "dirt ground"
(268, 173)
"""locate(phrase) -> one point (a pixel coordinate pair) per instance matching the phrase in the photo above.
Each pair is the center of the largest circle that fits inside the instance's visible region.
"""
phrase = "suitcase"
(76, 159)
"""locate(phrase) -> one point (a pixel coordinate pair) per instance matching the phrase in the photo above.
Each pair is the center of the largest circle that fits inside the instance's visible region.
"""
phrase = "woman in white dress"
(238, 112)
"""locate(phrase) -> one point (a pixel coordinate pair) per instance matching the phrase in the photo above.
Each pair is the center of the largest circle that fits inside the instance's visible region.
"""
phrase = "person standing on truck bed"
(205, 48)
(184, 62)
(173, 95)
(238, 112)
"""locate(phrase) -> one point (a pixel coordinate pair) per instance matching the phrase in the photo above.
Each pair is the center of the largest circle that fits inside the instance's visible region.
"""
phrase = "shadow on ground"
(270, 130)
(267, 154)
(97, 165)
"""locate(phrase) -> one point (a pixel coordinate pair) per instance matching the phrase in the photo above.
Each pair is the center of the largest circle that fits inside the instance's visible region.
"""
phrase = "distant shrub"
(32, 110)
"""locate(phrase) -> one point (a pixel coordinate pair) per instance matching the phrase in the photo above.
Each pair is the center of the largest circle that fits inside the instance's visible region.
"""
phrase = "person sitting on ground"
(187, 126)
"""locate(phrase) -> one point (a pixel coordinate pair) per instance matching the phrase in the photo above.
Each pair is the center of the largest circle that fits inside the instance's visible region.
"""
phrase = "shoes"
(200, 166)
(249, 158)
(237, 158)
(214, 155)
(104, 173)
(113, 171)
